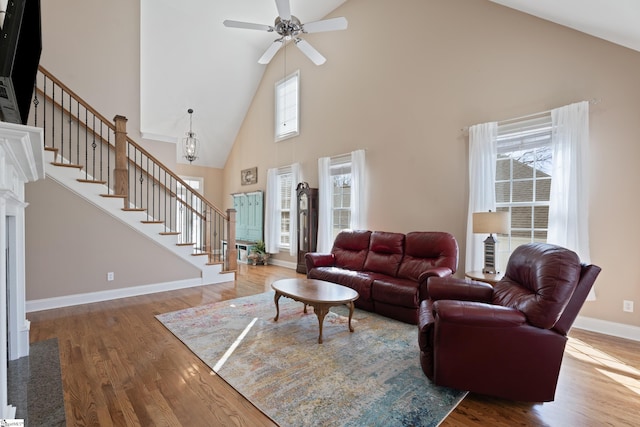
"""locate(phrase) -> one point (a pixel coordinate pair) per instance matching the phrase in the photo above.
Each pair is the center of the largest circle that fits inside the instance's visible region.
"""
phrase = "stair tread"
(91, 181)
(66, 165)
(121, 196)
(169, 233)
(133, 209)
(152, 222)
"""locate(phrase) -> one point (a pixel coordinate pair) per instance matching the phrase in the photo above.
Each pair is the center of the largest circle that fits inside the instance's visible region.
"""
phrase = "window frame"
(522, 136)
(281, 97)
(282, 195)
(340, 166)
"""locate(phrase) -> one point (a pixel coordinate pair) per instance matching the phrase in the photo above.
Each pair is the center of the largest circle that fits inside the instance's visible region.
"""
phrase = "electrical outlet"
(627, 306)
(110, 276)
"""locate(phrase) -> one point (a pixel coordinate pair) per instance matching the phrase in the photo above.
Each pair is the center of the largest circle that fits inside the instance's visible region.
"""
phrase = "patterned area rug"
(370, 377)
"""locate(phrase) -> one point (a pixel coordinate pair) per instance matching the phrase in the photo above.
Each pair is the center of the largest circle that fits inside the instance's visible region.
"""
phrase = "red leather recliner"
(505, 341)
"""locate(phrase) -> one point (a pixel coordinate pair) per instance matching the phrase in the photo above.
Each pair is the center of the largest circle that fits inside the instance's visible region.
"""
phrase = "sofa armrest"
(478, 314)
(451, 288)
(434, 272)
(317, 259)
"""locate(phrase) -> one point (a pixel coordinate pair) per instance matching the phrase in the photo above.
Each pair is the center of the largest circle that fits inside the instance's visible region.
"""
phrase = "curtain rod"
(465, 129)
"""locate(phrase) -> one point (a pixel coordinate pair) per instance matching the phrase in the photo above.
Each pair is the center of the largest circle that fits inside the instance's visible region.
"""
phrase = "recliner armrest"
(478, 314)
(451, 288)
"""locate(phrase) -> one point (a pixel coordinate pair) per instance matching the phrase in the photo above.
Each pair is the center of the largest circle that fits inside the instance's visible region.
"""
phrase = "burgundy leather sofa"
(388, 270)
(505, 341)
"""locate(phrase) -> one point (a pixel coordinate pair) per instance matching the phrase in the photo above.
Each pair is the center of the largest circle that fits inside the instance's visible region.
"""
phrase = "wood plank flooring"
(121, 367)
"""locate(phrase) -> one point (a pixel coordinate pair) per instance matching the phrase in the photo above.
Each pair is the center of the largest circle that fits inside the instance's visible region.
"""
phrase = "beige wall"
(71, 245)
(404, 79)
(401, 82)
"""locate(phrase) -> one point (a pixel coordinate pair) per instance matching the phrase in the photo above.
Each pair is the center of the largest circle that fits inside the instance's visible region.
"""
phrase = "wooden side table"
(491, 279)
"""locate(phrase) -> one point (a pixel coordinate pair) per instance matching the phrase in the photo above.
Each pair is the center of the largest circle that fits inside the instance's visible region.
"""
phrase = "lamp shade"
(491, 222)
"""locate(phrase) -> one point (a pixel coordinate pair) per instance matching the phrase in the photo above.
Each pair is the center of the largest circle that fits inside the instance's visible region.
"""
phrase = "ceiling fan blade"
(247, 25)
(270, 52)
(284, 10)
(325, 25)
(310, 51)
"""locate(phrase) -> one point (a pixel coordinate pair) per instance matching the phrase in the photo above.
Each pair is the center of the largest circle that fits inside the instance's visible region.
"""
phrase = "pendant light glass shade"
(190, 143)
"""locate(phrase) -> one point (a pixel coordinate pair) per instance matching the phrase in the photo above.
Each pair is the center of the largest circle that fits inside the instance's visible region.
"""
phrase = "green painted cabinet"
(249, 216)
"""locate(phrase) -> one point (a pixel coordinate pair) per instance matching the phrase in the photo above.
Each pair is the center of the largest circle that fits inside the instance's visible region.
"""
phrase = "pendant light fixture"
(190, 143)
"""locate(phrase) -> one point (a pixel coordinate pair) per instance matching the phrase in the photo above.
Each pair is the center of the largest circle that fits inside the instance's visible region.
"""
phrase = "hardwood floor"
(121, 367)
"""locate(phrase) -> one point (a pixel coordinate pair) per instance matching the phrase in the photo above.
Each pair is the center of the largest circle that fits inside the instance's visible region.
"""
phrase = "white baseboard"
(609, 328)
(280, 263)
(88, 298)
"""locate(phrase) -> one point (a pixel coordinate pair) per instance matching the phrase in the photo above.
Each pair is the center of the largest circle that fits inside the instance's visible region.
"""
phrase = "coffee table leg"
(351, 307)
(275, 299)
(321, 311)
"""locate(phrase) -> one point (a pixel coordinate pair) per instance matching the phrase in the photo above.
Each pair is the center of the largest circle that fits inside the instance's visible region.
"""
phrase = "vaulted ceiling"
(190, 60)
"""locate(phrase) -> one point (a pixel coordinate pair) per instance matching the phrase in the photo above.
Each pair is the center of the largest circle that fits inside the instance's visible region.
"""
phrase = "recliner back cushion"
(539, 281)
(385, 253)
(350, 249)
(428, 249)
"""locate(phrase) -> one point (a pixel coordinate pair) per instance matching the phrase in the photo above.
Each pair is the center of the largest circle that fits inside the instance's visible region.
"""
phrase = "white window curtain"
(272, 213)
(569, 198)
(357, 221)
(357, 190)
(482, 194)
(272, 217)
(296, 177)
(325, 239)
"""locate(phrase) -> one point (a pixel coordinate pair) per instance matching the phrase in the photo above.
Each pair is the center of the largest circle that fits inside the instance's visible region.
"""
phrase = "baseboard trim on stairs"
(91, 297)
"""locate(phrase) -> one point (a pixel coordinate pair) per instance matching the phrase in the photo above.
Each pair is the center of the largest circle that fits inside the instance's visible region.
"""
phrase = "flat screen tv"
(20, 48)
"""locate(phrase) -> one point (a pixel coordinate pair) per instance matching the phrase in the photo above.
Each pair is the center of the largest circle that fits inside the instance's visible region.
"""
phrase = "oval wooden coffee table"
(318, 294)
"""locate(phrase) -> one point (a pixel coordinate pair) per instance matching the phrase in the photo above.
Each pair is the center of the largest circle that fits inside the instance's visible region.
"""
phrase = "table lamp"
(490, 222)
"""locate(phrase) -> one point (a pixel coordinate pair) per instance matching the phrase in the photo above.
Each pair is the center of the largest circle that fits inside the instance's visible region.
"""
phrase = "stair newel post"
(231, 259)
(120, 171)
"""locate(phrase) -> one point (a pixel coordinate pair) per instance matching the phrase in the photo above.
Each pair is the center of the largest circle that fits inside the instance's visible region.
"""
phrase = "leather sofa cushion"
(356, 280)
(401, 292)
(425, 250)
(539, 281)
(350, 249)
(385, 253)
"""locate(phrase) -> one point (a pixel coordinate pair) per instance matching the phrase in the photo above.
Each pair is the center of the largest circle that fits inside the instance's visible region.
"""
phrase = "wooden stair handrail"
(113, 128)
(76, 97)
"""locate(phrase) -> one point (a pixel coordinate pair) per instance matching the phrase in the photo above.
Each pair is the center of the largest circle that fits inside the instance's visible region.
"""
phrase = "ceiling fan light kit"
(289, 27)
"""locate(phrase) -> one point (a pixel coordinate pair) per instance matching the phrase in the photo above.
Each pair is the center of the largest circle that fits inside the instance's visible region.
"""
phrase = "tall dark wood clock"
(307, 199)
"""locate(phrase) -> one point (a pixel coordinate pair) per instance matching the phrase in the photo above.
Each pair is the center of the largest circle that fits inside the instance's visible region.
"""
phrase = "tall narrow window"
(287, 96)
(523, 181)
(284, 192)
(340, 171)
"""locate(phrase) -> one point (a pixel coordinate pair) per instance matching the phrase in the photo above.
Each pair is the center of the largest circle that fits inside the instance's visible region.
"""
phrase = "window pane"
(284, 189)
(541, 217)
(503, 192)
(523, 191)
(503, 168)
(521, 217)
(287, 106)
(543, 189)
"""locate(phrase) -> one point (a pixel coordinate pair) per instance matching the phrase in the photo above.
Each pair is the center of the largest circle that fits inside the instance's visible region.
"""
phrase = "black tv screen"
(20, 48)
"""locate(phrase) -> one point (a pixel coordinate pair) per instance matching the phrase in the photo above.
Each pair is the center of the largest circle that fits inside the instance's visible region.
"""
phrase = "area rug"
(369, 377)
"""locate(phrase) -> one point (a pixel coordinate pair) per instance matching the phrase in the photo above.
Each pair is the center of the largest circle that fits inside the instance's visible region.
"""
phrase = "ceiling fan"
(290, 28)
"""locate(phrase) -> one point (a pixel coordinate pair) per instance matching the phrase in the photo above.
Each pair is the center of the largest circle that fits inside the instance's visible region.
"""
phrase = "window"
(189, 209)
(287, 107)
(340, 172)
(284, 196)
(523, 181)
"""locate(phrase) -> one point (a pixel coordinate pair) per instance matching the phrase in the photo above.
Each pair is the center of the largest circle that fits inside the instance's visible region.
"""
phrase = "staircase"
(94, 158)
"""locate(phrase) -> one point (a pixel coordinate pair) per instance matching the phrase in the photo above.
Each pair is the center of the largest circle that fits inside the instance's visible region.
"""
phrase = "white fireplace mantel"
(21, 161)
